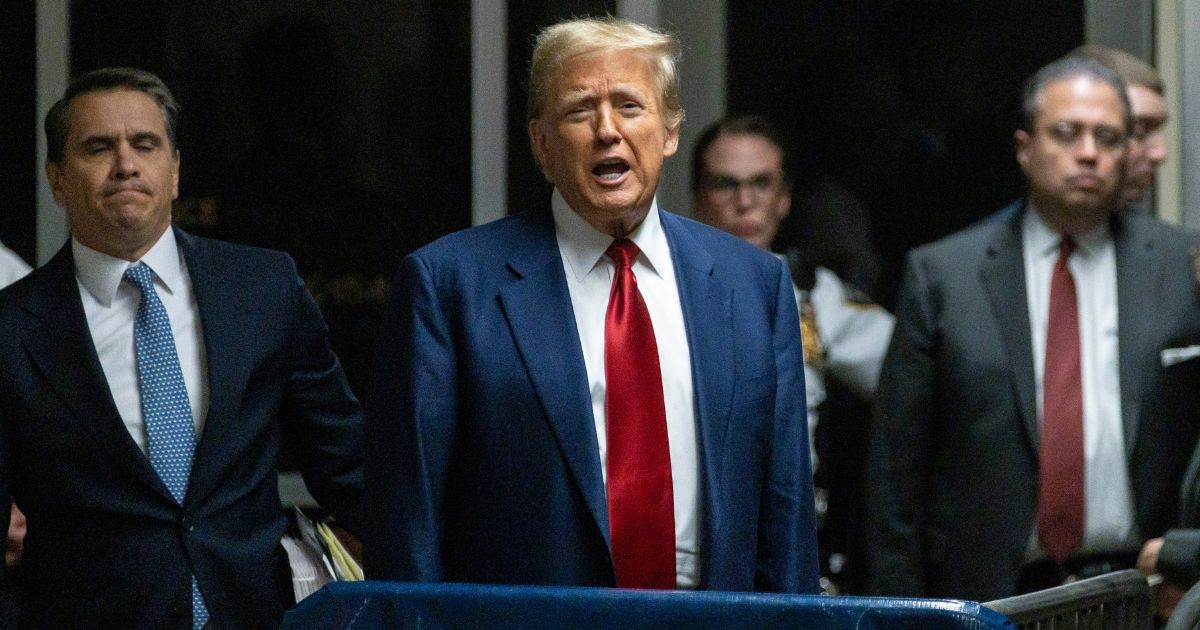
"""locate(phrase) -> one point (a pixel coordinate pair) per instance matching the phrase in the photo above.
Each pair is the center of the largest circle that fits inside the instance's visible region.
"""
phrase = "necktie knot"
(1066, 247)
(622, 252)
(139, 276)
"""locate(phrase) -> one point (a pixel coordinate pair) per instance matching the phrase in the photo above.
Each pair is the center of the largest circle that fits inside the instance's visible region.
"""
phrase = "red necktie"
(641, 508)
(1060, 482)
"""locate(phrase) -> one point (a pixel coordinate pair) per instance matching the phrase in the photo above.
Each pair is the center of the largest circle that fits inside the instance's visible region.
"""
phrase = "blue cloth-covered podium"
(360, 605)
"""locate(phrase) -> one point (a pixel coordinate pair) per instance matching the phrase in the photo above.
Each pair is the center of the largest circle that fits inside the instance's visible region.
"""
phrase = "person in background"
(1147, 147)
(1146, 92)
(597, 392)
(12, 268)
(740, 184)
(151, 380)
(1011, 452)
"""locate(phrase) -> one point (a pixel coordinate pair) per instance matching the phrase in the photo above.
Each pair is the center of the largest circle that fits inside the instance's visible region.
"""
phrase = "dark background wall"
(18, 214)
(339, 131)
(527, 187)
(900, 112)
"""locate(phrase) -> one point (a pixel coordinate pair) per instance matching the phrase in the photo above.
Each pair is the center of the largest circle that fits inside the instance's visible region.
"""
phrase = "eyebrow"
(146, 136)
(576, 95)
(111, 139)
(585, 93)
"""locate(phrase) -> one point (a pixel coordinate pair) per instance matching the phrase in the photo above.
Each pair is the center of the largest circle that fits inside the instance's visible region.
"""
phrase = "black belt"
(1047, 573)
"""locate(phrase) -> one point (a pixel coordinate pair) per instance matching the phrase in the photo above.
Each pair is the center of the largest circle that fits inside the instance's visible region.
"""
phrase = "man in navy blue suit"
(515, 434)
(145, 515)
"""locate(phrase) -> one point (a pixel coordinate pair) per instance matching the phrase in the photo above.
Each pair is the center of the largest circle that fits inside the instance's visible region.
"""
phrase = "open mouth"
(610, 170)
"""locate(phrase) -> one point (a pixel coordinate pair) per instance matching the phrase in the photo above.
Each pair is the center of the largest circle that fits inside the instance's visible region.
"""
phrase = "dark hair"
(750, 125)
(1065, 68)
(101, 80)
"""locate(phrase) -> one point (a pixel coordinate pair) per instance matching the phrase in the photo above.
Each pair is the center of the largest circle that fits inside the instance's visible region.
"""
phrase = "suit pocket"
(754, 388)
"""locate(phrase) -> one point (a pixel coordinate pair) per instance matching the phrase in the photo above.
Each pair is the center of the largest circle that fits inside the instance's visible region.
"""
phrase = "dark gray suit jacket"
(1179, 399)
(954, 454)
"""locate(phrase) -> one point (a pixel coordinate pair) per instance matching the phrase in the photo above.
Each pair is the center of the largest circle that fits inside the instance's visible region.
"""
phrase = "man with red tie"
(1012, 451)
(597, 392)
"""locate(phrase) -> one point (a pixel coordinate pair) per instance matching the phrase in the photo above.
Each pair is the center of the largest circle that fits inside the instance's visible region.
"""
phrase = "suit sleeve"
(322, 420)
(898, 454)
(1179, 558)
(787, 541)
(411, 416)
(5, 493)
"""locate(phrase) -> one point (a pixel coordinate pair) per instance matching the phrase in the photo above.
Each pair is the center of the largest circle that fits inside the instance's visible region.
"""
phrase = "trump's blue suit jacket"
(107, 545)
(482, 459)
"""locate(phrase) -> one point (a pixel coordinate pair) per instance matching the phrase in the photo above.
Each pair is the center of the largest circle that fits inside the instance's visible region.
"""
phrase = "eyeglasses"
(1069, 134)
(726, 188)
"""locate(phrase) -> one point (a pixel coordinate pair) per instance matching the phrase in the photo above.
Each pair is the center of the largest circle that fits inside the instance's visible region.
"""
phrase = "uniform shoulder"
(830, 286)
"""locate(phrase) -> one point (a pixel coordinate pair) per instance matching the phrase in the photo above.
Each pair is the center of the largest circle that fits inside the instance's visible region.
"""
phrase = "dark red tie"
(641, 508)
(1060, 482)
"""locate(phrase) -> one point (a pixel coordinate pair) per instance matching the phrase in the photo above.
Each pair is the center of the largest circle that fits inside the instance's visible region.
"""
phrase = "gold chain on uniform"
(814, 351)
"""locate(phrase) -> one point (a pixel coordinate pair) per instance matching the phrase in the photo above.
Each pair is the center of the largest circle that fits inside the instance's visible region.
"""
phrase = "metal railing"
(1114, 601)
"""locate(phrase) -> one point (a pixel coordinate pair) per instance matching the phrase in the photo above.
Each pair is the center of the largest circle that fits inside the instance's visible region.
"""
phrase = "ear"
(784, 205)
(539, 142)
(672, 141)
(1021, 141)
(175, 178)
(54, 176)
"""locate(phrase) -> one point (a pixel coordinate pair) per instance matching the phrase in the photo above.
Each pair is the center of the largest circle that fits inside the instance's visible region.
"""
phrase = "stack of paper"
(317, 557)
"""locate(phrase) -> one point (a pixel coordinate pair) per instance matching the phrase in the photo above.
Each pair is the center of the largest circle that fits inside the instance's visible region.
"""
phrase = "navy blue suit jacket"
(107, 546)
(482, 459)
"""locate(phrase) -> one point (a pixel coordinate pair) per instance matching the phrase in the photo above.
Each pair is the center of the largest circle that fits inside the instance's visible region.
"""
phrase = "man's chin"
(1136, 191)
(1133, 194)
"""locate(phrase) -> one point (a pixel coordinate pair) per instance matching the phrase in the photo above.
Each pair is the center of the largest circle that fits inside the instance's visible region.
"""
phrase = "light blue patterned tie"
(170, 431)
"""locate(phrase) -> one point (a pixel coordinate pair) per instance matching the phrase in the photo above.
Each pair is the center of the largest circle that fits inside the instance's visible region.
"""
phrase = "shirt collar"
(583, 246)
(1043, 240)
(101, 274)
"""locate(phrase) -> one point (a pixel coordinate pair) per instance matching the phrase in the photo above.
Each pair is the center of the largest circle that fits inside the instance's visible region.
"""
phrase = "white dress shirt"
(111, 307)
(589, 279)
(1109, 524)
(12, 267)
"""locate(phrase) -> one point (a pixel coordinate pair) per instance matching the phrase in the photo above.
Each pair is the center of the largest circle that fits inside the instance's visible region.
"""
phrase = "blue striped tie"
(170, 431)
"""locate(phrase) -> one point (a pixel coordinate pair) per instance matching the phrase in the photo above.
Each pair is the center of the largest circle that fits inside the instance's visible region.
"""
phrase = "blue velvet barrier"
(360, 605)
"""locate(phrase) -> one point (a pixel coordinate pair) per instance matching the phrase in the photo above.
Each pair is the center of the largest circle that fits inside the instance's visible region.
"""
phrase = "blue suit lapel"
(1139, 272)
(1003, 277)
(537, 305)
(707, 315)
(221, 307)
(63, 350)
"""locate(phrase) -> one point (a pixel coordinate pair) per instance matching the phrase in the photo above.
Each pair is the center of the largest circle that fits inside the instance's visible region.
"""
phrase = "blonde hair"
(558, 43)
